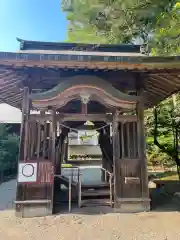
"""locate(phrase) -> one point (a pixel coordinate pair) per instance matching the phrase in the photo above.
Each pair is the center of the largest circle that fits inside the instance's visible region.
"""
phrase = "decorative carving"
(85, 98)
(101, 91)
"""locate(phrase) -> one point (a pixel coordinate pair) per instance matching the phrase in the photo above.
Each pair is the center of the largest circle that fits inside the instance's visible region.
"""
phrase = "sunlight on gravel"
(86, 223)
(160, 226)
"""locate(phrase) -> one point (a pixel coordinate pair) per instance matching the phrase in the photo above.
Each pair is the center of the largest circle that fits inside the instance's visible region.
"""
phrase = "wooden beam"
(11, 94)
(77, 117)
(17, 97)
(155, 86)
(5, 78)
(86, 117)
(11, 84)
(162, 80)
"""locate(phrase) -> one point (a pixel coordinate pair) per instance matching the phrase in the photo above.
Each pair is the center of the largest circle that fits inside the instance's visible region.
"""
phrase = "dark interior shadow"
(160, 202)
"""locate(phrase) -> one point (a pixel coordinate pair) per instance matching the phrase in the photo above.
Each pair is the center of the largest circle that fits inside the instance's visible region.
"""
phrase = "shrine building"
(59, 87)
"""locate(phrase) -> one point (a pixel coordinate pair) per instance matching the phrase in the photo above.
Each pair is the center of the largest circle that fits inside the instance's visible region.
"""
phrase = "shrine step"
(95, 186)
(95, 202)
(95, 195)
(95, 192)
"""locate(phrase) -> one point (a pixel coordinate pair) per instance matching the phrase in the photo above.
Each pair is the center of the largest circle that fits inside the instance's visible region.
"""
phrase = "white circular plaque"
(28, 170)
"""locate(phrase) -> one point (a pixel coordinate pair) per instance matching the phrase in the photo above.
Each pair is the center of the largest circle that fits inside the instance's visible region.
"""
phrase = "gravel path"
(87, 224)
(160, 226)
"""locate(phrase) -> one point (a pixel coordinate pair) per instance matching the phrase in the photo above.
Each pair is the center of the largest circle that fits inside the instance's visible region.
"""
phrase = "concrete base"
(35, 210)
(132, 205)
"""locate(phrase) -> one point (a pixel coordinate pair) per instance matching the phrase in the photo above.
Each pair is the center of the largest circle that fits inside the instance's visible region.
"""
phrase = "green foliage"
(154, 22)
(167, 33)
(9, 147)
(163, 132)
(155, 156)
(113, 21)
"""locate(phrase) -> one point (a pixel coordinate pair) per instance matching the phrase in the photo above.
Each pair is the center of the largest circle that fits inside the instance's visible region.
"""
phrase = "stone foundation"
(125, 205)
(33, 210)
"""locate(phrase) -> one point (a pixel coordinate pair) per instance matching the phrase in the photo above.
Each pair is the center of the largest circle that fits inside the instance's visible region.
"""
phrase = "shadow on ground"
(160, 202)
(7, 195)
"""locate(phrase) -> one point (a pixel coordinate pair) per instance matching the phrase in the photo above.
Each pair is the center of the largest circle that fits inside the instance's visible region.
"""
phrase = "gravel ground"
(160, 226)
(86, 223)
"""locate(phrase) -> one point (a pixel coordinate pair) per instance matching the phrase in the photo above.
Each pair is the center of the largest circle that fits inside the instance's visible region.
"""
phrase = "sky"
(41, 20)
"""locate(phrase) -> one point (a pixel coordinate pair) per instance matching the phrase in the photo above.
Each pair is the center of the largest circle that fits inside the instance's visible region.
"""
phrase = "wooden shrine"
(60, 85)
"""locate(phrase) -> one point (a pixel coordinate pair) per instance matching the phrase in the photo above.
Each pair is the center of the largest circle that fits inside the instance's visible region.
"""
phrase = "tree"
(113, 21)
(9, 148)
(155, 155)
(167, 128)
(167, 33)
(154, 22)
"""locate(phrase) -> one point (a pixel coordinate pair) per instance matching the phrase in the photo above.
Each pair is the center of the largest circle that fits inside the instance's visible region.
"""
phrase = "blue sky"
(40, 20)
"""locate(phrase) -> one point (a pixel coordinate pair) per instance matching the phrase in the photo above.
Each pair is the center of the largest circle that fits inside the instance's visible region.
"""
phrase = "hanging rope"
(76, 130)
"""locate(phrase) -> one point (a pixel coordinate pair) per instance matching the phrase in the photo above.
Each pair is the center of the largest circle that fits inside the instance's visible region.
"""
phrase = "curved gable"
(75, 87)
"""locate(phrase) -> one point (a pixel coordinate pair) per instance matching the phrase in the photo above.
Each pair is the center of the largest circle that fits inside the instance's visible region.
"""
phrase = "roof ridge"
(43, 45)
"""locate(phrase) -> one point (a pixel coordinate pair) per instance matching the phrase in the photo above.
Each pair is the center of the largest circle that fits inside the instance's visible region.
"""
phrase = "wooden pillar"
(38, 140)
(142, 150)
(58, 151)
(23, 147)
(44, 153)
(116, 156)
(53, 135)
(130, 170)
(24, 126)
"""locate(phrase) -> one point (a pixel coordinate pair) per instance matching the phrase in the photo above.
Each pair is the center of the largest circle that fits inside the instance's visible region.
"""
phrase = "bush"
(9, 148)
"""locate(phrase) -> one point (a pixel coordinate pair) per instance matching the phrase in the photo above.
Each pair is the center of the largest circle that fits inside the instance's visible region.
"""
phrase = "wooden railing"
(73, 176)
(110, 184)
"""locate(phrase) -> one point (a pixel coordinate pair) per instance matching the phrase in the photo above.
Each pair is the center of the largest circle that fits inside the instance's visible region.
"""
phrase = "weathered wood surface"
(75, 117)
(23, 151)
(129, 165)
(37, 196)
(142, 149)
